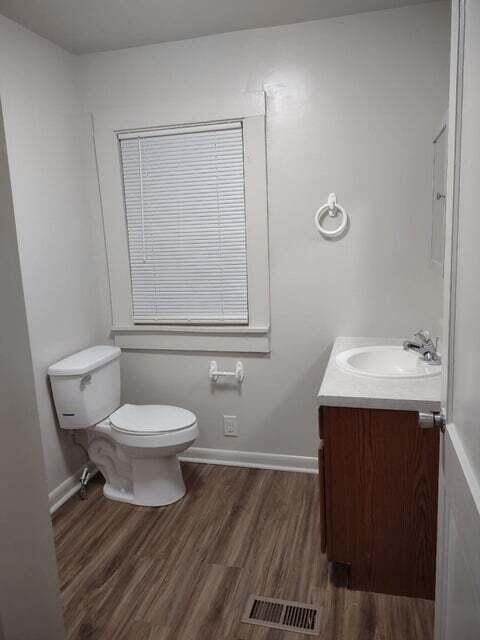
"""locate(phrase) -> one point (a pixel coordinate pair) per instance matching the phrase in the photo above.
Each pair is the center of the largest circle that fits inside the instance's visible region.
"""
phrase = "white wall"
(29, 596)
(45, 138)
(352, 106)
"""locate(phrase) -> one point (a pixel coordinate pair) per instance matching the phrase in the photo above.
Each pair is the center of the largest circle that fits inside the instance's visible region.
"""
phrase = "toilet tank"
(86, 386)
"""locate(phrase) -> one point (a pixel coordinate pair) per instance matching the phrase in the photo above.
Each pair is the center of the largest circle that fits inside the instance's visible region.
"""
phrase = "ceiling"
(83, 26)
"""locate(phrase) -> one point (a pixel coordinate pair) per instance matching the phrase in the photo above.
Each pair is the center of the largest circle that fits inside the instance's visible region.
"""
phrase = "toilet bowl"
(136, 451)
(135, 447)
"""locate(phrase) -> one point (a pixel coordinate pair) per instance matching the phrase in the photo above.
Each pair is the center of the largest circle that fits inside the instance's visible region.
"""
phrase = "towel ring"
(332, 209)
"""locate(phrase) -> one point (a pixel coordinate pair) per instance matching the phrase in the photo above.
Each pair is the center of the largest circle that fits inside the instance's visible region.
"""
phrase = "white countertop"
(342, 389)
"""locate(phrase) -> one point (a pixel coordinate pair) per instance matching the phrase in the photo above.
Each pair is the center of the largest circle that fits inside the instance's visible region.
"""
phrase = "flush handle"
(86, 380)
(430, 419)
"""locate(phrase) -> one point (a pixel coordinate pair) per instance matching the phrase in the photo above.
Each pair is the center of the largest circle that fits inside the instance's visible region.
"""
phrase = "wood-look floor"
(185, 571)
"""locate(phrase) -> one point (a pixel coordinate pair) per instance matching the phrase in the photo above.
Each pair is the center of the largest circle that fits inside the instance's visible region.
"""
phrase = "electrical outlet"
(230, 426)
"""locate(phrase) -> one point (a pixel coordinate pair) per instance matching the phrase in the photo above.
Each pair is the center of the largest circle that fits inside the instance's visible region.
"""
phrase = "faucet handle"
(423, 335)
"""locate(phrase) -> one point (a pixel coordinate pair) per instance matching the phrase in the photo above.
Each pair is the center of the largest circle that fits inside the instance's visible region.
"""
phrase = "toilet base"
(148, 477)
(156, 482)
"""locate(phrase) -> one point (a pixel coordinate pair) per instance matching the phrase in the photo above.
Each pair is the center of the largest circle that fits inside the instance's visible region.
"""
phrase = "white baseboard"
(66, 490)
(254, 459)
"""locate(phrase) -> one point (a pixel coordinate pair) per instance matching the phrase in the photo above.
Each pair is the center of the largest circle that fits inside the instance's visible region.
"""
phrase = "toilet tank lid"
(84, 361)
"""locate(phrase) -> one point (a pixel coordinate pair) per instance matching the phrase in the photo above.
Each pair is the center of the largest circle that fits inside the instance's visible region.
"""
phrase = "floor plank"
(185, 571)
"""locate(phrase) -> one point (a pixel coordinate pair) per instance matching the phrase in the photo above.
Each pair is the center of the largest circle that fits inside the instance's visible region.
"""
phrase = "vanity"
(378, 468)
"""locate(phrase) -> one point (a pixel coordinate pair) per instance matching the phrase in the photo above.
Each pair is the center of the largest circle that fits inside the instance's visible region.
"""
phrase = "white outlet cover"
(230, 426)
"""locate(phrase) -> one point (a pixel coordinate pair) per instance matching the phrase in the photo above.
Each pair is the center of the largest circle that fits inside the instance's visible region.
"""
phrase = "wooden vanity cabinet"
(378, 475)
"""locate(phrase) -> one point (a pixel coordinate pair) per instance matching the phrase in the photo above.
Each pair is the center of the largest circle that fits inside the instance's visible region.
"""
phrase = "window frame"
(249, 108)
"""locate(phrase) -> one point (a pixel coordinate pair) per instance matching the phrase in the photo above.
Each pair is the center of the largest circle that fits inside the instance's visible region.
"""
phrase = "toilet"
(135, 447)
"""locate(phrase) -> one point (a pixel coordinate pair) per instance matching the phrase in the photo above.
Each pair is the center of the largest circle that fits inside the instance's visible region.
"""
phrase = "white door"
(457, 615)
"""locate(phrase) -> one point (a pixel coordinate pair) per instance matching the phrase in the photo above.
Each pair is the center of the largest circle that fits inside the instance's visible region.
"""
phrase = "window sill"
(190, 338)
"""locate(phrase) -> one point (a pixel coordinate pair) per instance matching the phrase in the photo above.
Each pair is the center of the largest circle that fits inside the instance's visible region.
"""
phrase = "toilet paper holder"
(214, 374)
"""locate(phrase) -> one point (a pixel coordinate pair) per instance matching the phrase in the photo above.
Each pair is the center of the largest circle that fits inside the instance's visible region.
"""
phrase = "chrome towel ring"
(332, 209)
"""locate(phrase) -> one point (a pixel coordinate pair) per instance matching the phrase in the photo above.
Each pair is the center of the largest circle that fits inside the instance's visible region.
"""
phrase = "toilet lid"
(145, 419)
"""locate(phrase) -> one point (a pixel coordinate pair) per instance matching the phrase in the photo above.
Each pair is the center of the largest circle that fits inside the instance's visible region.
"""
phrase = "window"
(185, 211)
(184, 201)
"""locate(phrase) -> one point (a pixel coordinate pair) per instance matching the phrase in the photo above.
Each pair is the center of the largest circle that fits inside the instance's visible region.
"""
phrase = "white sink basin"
(387, 361)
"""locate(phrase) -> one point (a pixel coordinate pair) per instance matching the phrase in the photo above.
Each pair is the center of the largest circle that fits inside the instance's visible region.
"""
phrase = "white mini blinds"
(185, 210)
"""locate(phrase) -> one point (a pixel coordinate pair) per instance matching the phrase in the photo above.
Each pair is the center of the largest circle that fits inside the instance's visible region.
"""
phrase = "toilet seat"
(151, 419)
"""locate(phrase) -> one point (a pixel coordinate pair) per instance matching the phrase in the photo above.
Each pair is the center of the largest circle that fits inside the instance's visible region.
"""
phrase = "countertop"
(342, 389)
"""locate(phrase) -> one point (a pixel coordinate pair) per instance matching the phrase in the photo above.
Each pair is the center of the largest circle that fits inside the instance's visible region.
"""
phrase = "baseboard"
(254, 459)
(66, 489)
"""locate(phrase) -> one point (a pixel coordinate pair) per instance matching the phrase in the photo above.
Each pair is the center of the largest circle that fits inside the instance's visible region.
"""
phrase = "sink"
(386, 361)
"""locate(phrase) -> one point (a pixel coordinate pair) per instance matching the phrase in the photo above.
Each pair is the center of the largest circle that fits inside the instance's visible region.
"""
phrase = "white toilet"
(134, 446)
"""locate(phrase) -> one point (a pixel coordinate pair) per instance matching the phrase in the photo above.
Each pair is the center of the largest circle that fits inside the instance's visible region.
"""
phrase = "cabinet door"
(321, 484)
(323, 514)
(381, 475)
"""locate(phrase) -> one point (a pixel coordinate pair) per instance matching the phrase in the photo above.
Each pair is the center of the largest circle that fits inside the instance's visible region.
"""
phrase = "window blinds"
(185, 210)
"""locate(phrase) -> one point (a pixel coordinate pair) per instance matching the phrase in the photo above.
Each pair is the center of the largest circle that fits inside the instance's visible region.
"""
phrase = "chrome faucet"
(424, 346)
